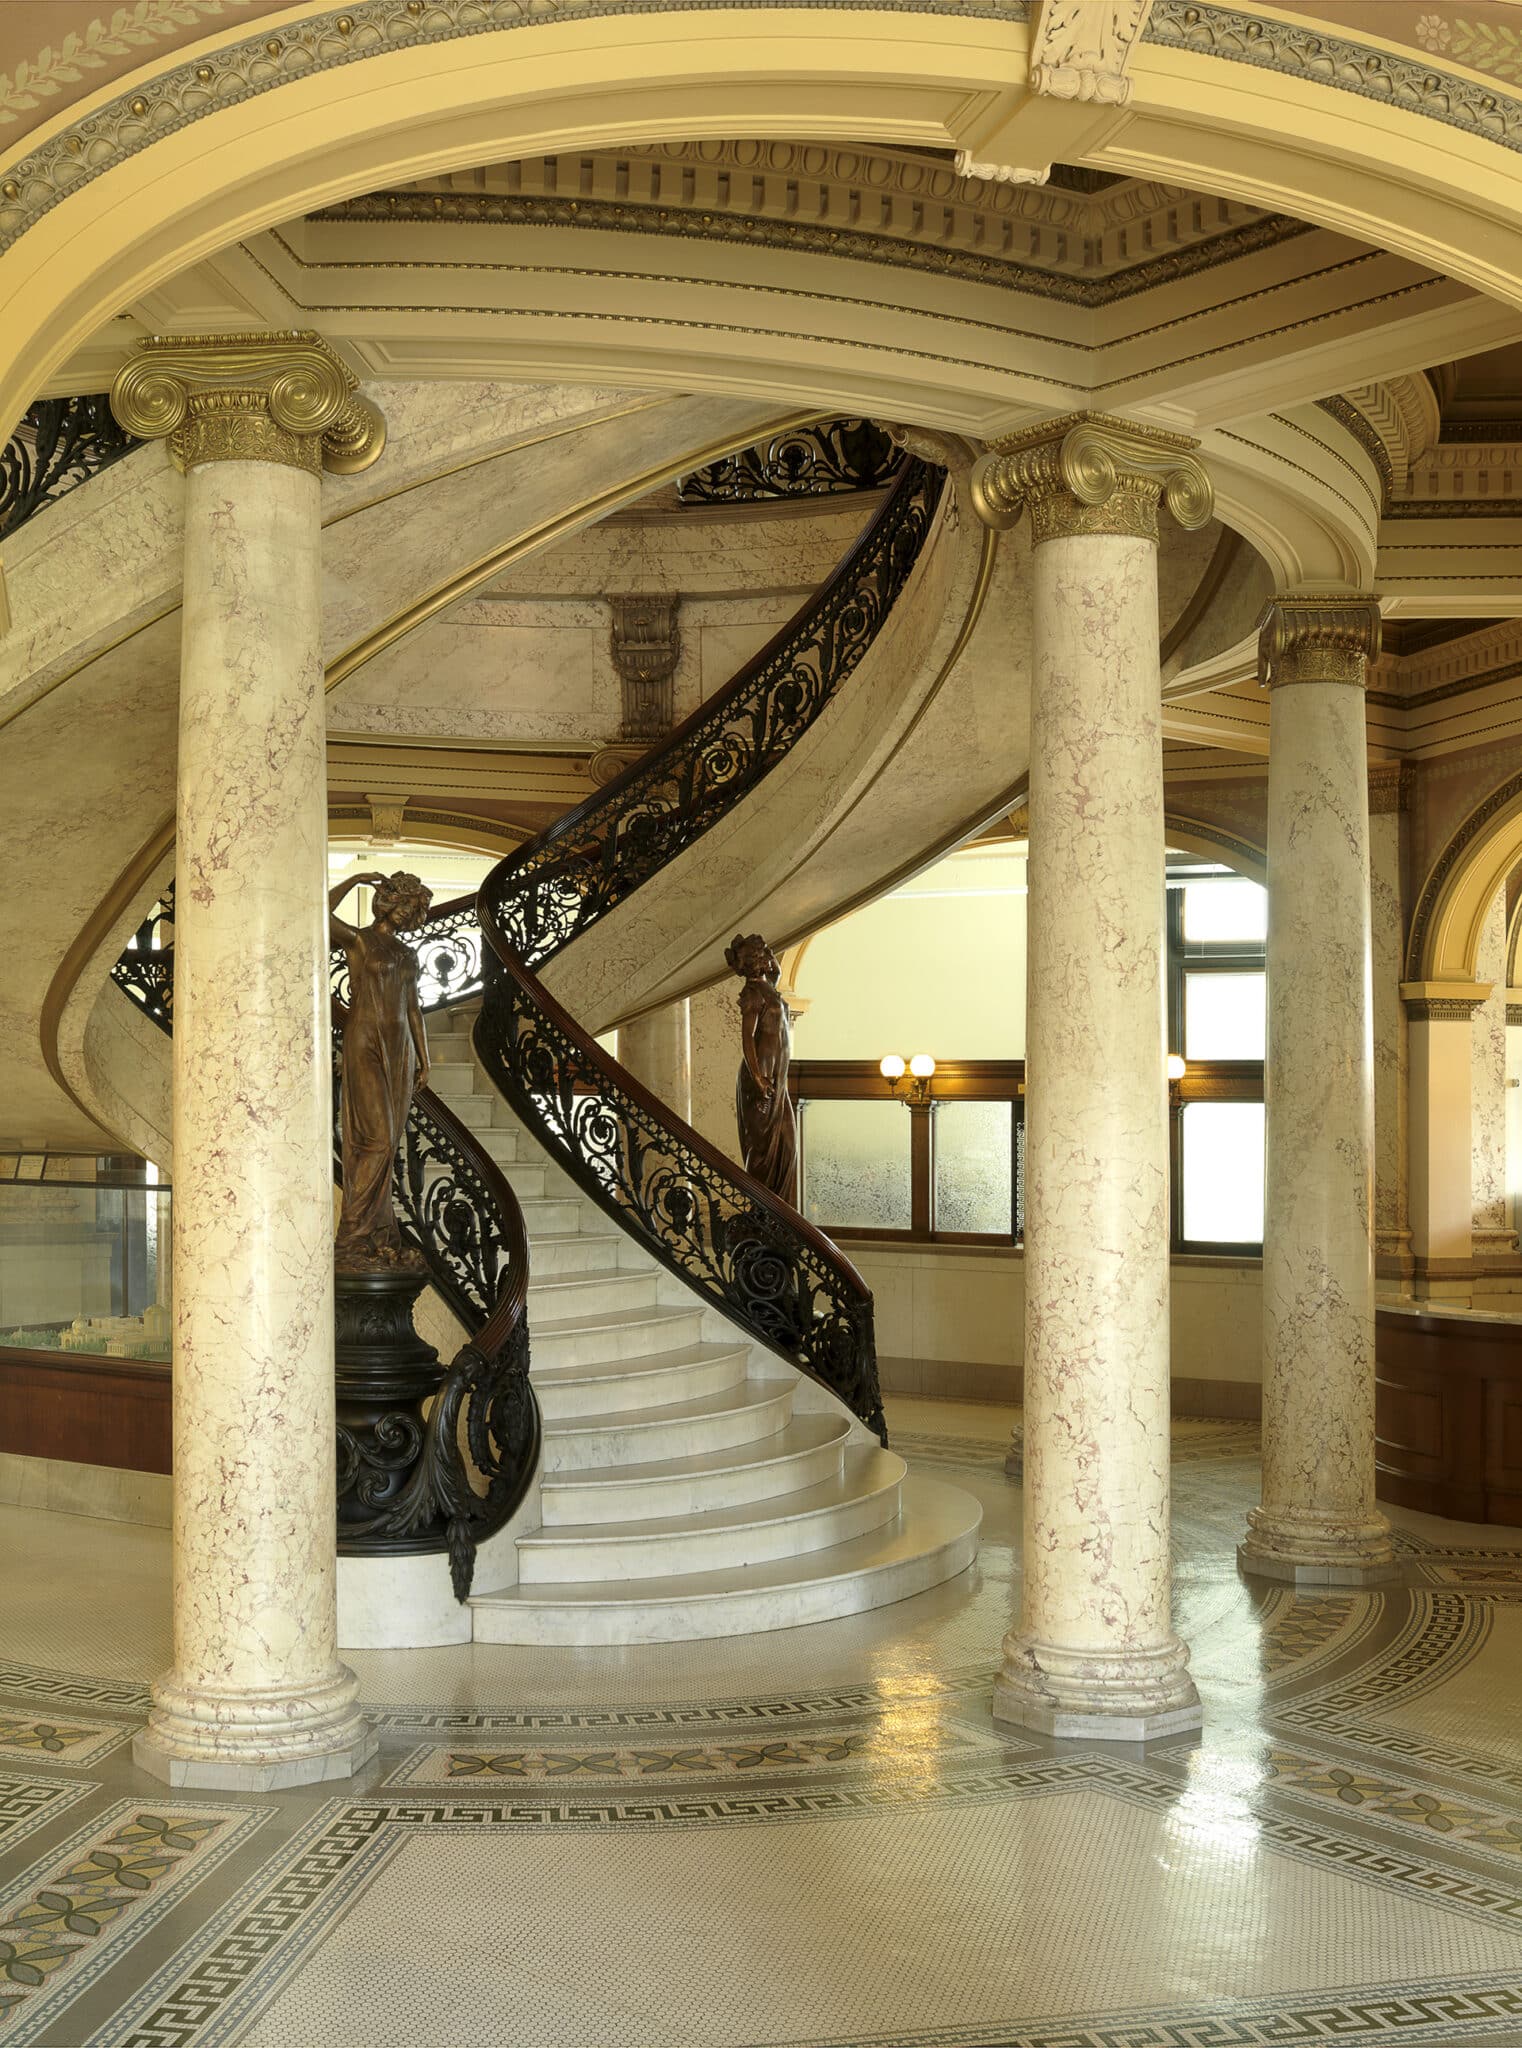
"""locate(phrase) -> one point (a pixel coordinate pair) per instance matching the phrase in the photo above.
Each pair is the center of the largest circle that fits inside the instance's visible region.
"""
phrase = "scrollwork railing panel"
(480, 1442)
(61, 442)
(736, 1243)
(733, 1241)
(588, 862)
(822, 461)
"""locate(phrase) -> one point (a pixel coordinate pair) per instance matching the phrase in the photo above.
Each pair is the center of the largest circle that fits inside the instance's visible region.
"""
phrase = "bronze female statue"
(763, 1107)
(385, 1060)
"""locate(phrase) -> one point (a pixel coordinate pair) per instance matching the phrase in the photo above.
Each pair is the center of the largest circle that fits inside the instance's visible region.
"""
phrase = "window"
(1217, 1018)
(948, 1172)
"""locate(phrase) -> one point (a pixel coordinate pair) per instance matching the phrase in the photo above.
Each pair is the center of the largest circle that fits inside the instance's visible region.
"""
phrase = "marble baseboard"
(957, 1379)
(105, 1492)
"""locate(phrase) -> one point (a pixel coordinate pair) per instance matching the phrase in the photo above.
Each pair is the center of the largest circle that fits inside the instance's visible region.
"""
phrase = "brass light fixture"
(921, 1071)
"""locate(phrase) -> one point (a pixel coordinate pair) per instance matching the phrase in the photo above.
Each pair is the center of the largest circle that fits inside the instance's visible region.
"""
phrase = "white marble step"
(588, 1294)
(807, 1452)
(932, 1539)
(620, 1333)
(555, 1220)
(863, 1495)
(449, 1077)
(567, 1249)
(474, 1111)
(663, 1379)
(741, 1414)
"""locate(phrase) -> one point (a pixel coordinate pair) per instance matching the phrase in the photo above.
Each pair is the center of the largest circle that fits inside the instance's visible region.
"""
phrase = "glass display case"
(84, 1257)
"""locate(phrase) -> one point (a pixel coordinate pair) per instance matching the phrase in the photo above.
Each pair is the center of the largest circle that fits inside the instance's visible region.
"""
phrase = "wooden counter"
(85, 1408)
(1448, 1412)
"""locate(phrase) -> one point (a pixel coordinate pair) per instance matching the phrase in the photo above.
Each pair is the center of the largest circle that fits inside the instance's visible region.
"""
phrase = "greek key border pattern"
(259, 1939)
(28, 1803)
(259, 63)
(693, 1715)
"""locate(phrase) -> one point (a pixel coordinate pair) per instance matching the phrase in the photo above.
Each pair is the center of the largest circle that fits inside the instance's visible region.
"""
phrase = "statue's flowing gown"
(379, 1070)
(769, 1138)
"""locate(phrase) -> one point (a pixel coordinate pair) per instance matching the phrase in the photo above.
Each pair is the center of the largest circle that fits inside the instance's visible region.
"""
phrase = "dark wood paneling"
(1448, 1415)
(89, 1410)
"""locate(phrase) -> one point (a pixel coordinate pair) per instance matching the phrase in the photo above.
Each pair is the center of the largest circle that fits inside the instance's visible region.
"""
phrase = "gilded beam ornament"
(282, 396)
(1080, 48)
(1310, 638)
(1086, 473)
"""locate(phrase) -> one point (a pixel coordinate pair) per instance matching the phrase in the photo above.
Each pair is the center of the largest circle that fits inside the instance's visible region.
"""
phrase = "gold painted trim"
(86, 943)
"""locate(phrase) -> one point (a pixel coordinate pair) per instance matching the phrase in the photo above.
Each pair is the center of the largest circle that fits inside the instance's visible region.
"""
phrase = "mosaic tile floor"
(810, 1838)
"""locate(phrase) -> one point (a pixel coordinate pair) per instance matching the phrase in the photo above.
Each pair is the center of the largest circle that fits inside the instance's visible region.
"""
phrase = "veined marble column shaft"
(257, 1696)
(1094, 1653)
(1492, 1232)
(1318, 1523)
(657, 1050)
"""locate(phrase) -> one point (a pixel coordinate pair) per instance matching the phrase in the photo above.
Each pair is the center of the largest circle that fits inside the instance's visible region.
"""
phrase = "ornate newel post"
(1094, 1652)
(257, 1696)
(1318, 1524)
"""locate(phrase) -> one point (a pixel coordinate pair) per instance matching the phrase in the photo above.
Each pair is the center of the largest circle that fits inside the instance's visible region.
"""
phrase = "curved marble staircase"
(692, 1483)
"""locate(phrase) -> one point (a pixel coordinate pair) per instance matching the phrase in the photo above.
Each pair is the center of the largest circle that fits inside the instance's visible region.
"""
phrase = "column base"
(198, 1738)
(1299, 1548)
(1130, 1696)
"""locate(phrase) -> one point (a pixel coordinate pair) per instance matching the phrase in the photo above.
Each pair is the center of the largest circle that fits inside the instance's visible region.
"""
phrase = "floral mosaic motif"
(71, 1741)
(1299, 1630)
(1492, 46)
(691, 1760)
(58, 1917)
(1385, 1799)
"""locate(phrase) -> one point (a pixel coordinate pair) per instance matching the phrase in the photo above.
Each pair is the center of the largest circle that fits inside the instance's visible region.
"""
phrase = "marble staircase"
(693, 1484)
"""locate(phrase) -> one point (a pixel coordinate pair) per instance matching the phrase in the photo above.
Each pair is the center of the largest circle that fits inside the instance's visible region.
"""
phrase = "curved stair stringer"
(956, 757)
(88, 706)
(693, 1484)
(660, 941)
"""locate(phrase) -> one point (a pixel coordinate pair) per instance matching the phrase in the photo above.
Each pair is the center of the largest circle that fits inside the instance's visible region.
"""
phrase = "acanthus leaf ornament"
(1088, 473)
(282, 396)
(1079, 49)
(1317, 637)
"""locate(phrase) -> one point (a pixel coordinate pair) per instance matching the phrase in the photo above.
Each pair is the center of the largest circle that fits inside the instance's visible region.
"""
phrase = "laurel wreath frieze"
(1412, 84)
(134, 120)
(133, 27)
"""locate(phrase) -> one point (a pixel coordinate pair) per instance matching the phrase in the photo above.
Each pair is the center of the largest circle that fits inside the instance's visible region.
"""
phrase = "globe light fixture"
(893, 1066)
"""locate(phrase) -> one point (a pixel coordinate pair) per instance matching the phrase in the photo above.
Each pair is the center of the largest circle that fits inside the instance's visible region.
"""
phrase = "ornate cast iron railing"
(457, 1208)
(469, 1463)
(732, 1240)
(805, 462)
(60, 442)
(587, 862)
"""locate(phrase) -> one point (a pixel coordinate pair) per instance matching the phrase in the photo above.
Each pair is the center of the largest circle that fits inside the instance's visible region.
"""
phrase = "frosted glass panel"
(1224, 909)
(1224, 1016)
(973, 1167)
(856, 1165)
(1223, 1172)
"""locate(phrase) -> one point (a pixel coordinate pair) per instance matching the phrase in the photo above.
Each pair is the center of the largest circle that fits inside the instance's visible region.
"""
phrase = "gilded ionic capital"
(272, 397)
(1086, 473)
(1313, 638)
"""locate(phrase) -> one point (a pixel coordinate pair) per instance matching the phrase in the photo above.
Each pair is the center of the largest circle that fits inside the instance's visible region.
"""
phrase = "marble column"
(1318, 1524)
(657, 1050)
(1491, 1233)
(256, 1697)
(1439, 1106)
(1094, 1652)
(1387, 873)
